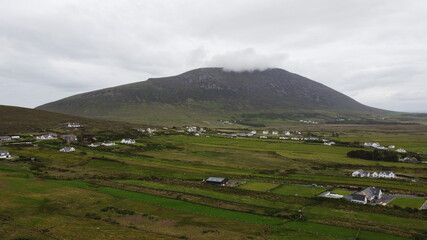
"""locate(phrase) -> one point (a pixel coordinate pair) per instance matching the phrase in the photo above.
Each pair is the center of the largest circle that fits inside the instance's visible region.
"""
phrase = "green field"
(341, 191)
(408, 202)
(155, 189)
(258, 186)
(299, 190)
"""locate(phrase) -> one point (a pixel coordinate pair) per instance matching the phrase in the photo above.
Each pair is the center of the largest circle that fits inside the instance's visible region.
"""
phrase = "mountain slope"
(209, 94)
(15, 120)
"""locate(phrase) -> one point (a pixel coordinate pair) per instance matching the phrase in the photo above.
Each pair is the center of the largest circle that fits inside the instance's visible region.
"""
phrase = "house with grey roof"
(69, 138)
(360, 173)
(359, 198)
(372, 193)
(5, 138)
(4, 154)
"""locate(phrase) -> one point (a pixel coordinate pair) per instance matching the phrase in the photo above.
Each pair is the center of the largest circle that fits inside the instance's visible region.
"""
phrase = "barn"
(217, 181)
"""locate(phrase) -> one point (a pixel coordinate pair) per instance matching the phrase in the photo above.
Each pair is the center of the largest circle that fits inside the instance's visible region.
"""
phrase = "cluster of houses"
(380, 174)
(308, 121)
(380, 147)
(148, 130)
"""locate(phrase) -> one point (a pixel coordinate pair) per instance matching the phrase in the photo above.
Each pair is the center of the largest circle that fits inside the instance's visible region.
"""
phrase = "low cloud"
(246, 60)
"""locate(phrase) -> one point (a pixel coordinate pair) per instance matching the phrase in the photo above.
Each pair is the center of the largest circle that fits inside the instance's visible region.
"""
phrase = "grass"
(408, 202)
(258, 186)
(341, 191)
(212, 194)
(179, 205)
(298, 190)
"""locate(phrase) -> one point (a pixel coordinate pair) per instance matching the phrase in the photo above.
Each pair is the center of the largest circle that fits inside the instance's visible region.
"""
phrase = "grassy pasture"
(298, 190)
(258, 186)
(342, 191)
(408, 202)
(211, 194)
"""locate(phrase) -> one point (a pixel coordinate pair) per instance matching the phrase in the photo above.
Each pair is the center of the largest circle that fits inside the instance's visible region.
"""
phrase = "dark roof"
(4, 151)
(5, 137)
(358, 197)
(372, 191)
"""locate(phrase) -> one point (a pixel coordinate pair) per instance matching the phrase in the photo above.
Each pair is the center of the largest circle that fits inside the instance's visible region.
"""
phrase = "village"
(370, 195)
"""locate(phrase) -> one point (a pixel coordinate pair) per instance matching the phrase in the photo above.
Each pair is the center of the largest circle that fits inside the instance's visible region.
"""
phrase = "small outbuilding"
(359, 198)
(217, 181)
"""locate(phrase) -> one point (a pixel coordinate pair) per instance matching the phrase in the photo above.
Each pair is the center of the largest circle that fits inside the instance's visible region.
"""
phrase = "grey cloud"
(374, 51)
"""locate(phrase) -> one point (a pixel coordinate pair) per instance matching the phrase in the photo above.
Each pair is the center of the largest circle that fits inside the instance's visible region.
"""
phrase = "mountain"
(14, 120)
(209, 94)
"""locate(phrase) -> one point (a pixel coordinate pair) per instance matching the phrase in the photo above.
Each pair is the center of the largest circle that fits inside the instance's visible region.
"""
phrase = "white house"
(374, 174)
(192, 129)
(253, 132)
(67, 149)
(15, 137)
(93, 145)
(4, 154)
(263, 137)
(128, 141)
(73, 125)
(401, 150)
(391, 147)
(265, 132)
(48, 136)
(287, 133)
(283, 138)
(372, 193)
(386, 174)
(360, 173)
(108, 144)
(275, 132)
(329, 143)
(151, 130)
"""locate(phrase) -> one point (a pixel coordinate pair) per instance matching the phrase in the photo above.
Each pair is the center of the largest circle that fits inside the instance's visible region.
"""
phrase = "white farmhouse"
(253, 132)
(386, 174)
(329, 143)
(287, 133)
(263, 137)
(108, 144)
(275, 132)
(401, 150)
(360, 173)
(128, 141)
(4, 154)
(265, 132)
(67, 149)
(48, 136)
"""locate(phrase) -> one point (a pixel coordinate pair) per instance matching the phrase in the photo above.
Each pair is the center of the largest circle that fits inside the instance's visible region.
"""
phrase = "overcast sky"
(374, 51)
